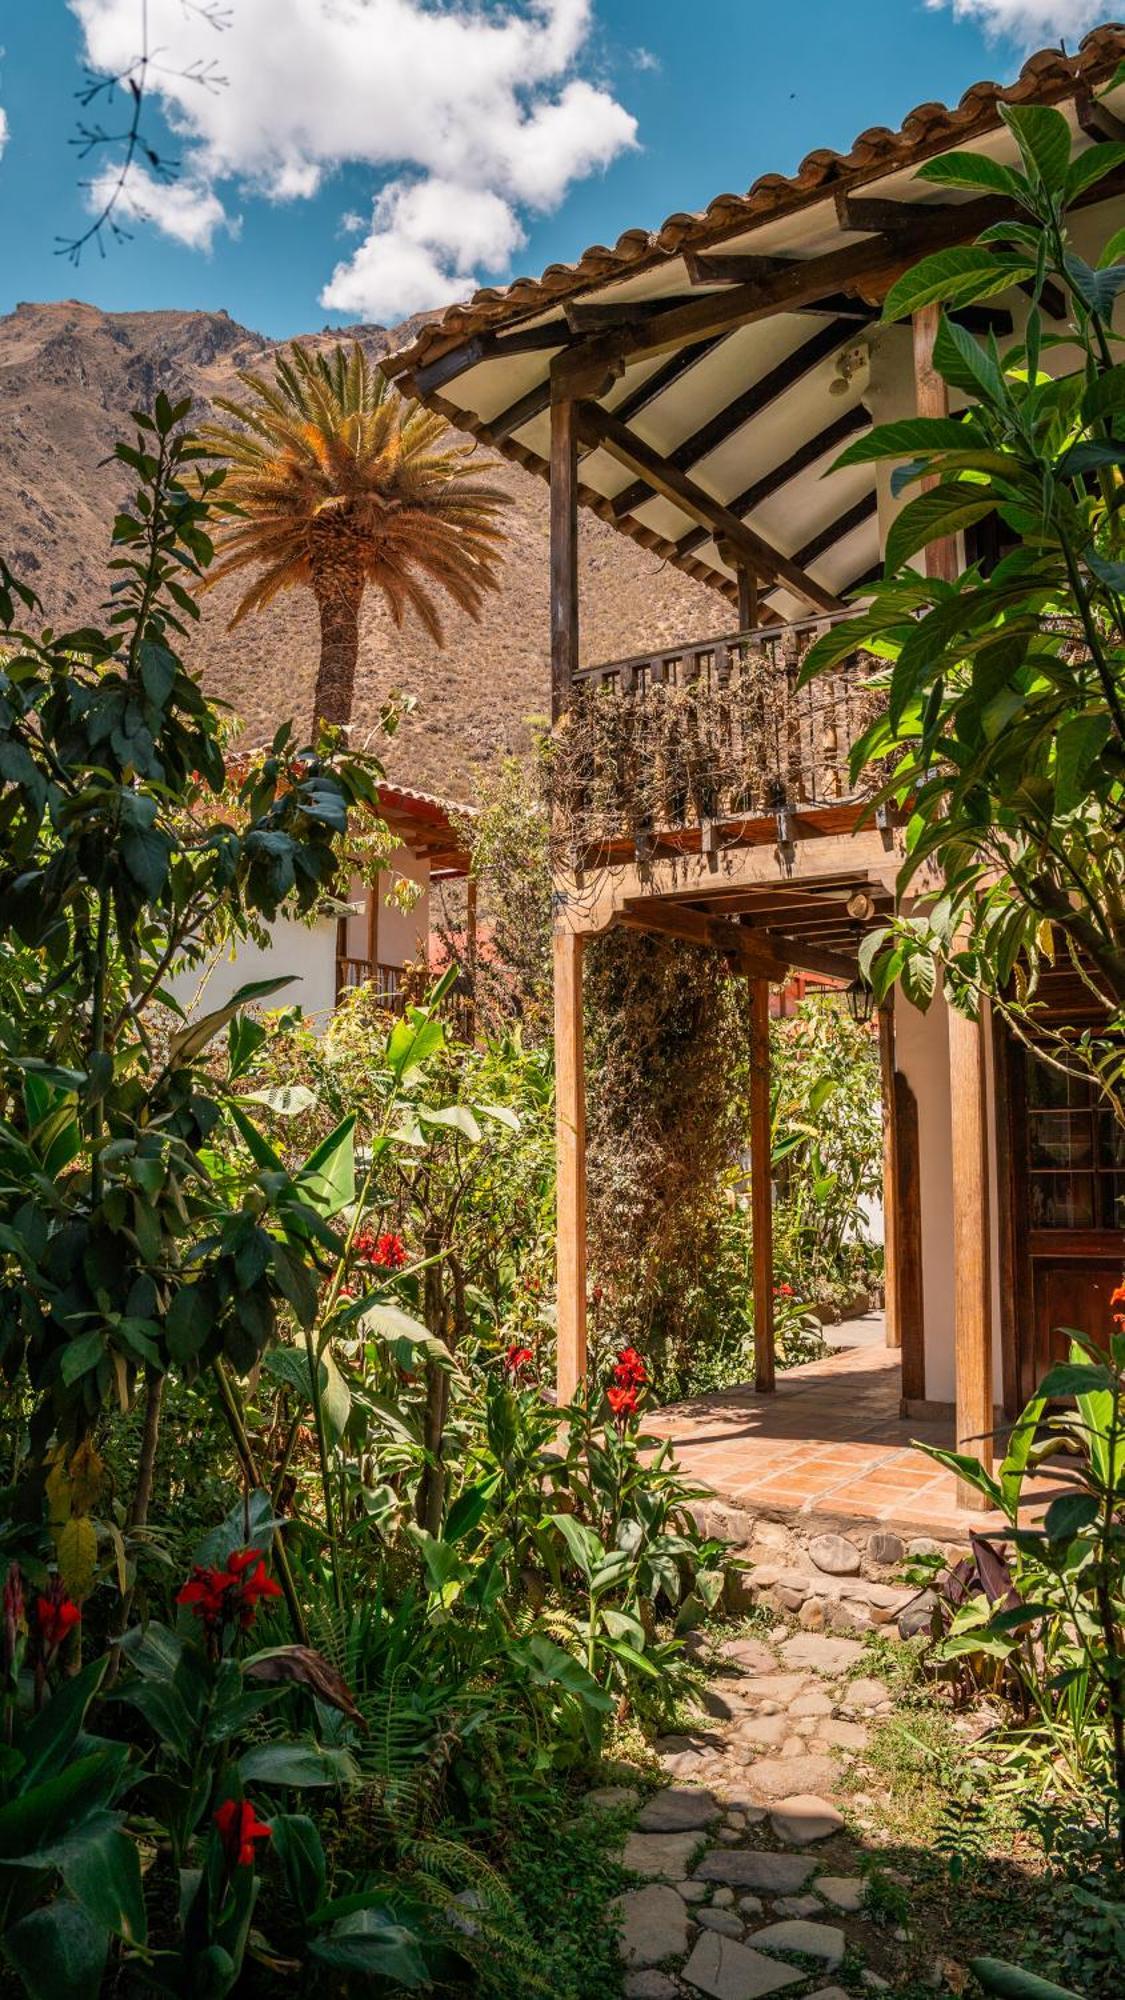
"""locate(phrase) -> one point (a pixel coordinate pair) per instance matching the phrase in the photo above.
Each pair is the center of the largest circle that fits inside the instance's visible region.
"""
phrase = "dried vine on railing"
(708, 733)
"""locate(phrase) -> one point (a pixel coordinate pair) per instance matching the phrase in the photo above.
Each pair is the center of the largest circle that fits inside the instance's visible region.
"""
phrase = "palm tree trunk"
(339, 653)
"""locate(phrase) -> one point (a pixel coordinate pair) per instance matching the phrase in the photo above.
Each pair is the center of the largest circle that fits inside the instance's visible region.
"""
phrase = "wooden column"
(890, 1174)
(564, 552)
(932, 395)
(761, 1184)
(749, 610)
(972, 1273)
(570, 1141)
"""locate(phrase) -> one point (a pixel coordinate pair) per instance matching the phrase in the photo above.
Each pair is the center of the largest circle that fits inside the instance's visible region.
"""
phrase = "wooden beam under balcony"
(774, 383)
(779, 475)
(598, 428)
(647, 913)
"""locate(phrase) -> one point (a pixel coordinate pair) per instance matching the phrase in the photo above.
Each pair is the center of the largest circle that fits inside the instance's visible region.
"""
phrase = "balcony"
(707, 744)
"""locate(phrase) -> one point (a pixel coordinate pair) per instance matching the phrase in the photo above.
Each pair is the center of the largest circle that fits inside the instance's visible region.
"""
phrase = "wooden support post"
(564, 552)
(761, 1185)
(748, 613)
(933, 401)
(570, 1140)
(471, 949)
(972, 1275)
(890, 1173)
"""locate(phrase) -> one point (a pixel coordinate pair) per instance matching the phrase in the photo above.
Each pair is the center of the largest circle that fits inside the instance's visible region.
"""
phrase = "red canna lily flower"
(516, 1360)
(629, 1369)
(219, 1596)
(622, 1400)
(55, 1618)
(386, 1252)
(238, 1829)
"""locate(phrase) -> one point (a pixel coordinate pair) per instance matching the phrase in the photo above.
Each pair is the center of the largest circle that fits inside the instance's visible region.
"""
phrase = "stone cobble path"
(751, 1882)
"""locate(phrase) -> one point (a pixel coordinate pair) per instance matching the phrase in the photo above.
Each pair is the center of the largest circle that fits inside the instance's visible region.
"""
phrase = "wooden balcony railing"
(393, 989)
(700, 735)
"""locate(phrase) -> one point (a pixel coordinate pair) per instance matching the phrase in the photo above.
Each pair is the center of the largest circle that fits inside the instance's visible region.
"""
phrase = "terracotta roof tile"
(929, 128)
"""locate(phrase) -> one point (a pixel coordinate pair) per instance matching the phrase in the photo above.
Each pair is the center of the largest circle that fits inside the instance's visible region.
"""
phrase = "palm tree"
(336, 482)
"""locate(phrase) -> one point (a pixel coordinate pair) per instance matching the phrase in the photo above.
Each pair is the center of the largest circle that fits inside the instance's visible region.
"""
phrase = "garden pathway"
(750, 1872)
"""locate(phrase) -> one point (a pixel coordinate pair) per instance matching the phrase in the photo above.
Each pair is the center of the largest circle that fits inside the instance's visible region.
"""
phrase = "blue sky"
(373, 156)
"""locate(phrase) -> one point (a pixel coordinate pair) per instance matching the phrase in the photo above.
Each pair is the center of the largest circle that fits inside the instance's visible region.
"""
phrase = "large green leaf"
(189, 1042)
(971, 170)
(372, 1943)
(49, 1740)
(327, 1178)
(1011, 1982)
(305, 1766)
(1043, 137)
(59, 1952)
(956, 277)
(910, 437)
(944, 510)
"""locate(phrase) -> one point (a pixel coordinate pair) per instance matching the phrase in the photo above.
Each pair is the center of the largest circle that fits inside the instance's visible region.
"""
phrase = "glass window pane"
(1111, 1195)
(1062, 1201)
(1111, 1140)
(1060, 1138)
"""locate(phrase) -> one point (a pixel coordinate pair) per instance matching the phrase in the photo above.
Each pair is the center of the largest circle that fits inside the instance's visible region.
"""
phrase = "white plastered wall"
(401, 936)
(306, 953)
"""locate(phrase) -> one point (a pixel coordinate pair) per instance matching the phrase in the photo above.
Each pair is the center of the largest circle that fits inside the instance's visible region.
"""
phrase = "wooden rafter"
(662, 378)
(597, 427)
(853, 517)
(814, 448)
(750, 404)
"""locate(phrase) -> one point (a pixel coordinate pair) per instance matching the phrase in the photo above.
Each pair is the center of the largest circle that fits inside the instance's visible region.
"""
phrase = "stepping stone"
(814, 1702)
(866, 1693)
(678, 1811)
(822, 1993)
(840, 1735)
(822, 1653)
(782, 1688)
(805, 1818)
(723, 1921)
(798, 1906)
(846, 1892)
(765, 1730)
(692, 1892)
(754, 1868)
(778, 1777)
(753, 1656)
(650, 1986)
(653, 1925)
(751, 1906)
(835, 1555)
(660, 1854)
(825, 1941)
(610, 1798)
(727, 1970)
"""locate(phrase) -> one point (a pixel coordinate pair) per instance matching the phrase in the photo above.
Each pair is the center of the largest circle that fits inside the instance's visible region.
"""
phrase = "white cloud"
(1037, 23)
(183, 209)
(478, 115)
(3, 128)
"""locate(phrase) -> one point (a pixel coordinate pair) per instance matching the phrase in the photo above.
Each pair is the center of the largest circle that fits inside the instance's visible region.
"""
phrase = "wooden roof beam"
(648, 913)
(663, 377)
(869, 267)
(758, 397)
(853, 517)
(806, 957)
(597, 427)
(815, 448)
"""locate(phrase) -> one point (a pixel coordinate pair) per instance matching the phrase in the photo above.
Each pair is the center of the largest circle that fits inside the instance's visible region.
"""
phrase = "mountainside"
(70, 374)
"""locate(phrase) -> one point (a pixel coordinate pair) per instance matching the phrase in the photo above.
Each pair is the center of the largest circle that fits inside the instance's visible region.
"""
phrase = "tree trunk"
(339, 653)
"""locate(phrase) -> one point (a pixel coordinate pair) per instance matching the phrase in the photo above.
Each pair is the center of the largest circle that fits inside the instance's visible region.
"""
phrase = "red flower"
(622, 1400)
(238, 1830)
(783, 1292)
(516, 1360)
(55, 1618)
(629, 1369)
(217, 1596)
(386, 1252)
(1117, 1298)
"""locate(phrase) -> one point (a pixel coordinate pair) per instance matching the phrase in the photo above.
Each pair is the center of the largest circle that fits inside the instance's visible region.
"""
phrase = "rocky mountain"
(70, 374)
